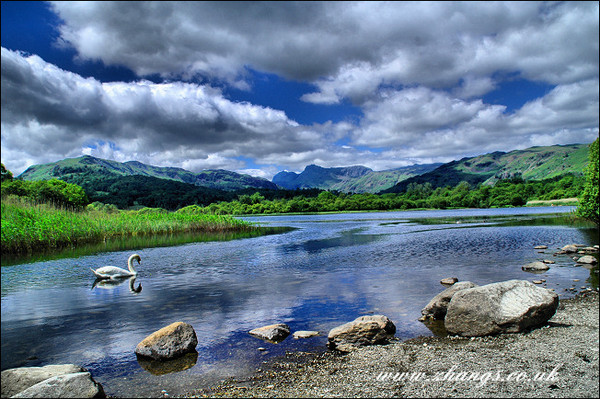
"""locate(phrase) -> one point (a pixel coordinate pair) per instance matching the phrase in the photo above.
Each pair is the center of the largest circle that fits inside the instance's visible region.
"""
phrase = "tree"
(6, 174)
(588, 202)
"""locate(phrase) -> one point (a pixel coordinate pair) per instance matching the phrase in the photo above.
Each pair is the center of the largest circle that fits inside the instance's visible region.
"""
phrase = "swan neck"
(130, 265)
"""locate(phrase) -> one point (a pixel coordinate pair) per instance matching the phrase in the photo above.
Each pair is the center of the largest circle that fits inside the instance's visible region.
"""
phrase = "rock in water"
(436, 308)
(589, 259)
(506, 307)
(449, 281)
(536, 266)
(169, 342)
(569, 249)
(274, 333)
(365, 330)
(305, 334)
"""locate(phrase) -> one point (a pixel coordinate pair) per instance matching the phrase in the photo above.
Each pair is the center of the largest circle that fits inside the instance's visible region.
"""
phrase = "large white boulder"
(74, 385)
(506, 307)
(51, 381)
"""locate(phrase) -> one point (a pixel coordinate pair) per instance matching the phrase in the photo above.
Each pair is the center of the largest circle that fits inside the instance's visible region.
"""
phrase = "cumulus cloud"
(422, 122)
(51, 112)
(347, 48)
(462, 45)
(416, 70)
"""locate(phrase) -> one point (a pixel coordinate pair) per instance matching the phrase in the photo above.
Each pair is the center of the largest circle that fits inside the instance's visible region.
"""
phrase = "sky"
(261, 87)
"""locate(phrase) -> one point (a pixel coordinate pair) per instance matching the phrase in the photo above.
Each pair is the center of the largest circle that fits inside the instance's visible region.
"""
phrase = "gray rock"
(74, 385)
(169, 342)
(568, 249)
(273, 333)
(305, 334)
(18, 379)
(365, 330)
(588, 259)
(536, 266)
(506, 307)
(436, 308)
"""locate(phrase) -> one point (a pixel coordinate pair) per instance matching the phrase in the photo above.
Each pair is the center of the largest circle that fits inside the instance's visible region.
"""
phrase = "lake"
(328, 270)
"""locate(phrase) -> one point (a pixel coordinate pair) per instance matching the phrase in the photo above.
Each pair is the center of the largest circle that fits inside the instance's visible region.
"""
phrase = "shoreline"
(557, 360)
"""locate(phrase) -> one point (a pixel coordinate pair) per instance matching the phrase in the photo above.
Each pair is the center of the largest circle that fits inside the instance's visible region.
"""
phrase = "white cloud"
(352, 46)
(49, 113)
(417, 71)
(474, 87)
(425, 123)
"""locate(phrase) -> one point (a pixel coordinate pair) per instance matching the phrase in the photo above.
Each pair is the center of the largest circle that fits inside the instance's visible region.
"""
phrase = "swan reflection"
(109, 284)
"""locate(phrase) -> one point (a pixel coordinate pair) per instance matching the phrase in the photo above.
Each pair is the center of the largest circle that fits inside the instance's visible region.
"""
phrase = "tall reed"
(29, 227)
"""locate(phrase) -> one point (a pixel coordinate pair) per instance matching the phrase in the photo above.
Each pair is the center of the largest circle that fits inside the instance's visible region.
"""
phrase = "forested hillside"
(534, 163)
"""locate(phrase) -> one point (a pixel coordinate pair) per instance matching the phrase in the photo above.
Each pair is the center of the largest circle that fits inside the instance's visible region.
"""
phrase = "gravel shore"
(558, 360)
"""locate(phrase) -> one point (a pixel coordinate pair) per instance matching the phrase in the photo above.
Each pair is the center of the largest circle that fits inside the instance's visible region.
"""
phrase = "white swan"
(116, 272)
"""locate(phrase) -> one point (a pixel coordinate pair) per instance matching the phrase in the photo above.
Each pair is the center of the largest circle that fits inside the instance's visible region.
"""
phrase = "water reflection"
(437, 327)
(345, 239)
(162, 367)
(109, 284)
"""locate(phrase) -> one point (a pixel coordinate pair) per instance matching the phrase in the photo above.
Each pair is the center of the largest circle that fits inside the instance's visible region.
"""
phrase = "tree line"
(510, 192)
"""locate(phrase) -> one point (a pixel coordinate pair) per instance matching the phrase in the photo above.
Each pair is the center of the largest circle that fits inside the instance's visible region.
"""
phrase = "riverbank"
(28, 227)
(559, 360)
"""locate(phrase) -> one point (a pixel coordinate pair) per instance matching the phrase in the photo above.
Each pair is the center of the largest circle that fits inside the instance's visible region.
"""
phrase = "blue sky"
(260, 87)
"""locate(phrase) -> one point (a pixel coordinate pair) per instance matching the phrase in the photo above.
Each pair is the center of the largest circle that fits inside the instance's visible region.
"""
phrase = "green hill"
(71, 169)
(535, 163)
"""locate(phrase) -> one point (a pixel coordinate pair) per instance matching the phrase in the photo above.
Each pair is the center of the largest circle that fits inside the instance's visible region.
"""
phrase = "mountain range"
(212, 178)
(533, 163)
(352, 179)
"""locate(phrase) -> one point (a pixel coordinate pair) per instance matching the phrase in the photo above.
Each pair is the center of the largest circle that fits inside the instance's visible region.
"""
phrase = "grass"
(29, 227)
(556, 202)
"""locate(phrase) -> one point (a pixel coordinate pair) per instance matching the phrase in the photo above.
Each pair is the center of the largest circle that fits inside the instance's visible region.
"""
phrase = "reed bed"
(28, 227)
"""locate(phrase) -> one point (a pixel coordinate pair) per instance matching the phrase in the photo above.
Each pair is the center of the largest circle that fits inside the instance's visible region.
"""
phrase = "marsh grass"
(29, 227)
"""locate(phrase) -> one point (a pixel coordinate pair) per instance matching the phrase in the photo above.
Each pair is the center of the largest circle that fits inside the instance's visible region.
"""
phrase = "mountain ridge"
(350, 179)
(212, 178)
(533, 163)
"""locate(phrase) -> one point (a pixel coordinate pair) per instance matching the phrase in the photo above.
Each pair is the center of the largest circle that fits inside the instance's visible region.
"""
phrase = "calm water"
(327, 271)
